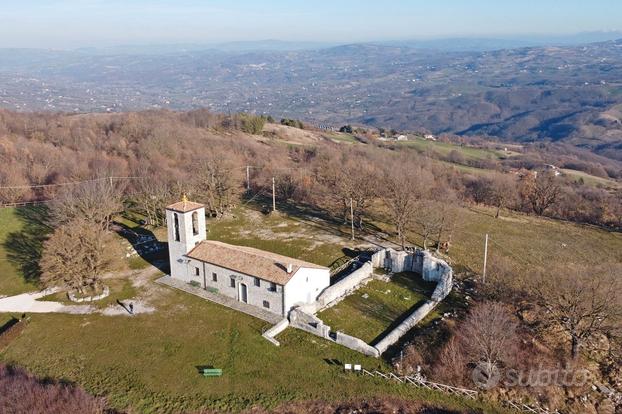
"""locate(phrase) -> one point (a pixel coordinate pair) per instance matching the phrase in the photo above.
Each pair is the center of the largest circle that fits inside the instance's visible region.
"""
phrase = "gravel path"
(28, 303)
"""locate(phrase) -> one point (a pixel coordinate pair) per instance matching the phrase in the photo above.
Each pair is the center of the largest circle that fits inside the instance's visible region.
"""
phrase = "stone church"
(266, 280)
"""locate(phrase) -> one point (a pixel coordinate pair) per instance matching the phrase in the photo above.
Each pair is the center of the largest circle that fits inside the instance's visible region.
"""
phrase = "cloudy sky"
(78, 23)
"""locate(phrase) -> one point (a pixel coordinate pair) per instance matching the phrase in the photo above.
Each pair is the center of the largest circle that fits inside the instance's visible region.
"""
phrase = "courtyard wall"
(431, 269)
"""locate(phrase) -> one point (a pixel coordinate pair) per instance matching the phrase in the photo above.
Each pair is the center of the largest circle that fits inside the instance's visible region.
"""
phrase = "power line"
(24, 187)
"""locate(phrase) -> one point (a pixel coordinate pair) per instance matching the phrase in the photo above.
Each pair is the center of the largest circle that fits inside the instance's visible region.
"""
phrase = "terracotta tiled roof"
(185, 206)
(254, 262)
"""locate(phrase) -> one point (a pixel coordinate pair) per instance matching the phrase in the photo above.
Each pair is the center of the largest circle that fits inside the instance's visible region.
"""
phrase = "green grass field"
(591, 179)
(444, 148)
(279, 233)
(528, 241)
(149, 362)
(12, 281)
(341, 137)
(373, 308)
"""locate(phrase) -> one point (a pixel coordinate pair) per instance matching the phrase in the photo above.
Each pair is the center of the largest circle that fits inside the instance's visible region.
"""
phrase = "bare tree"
(489, 336)
(151, 198)
(428, 219)
(540, 191)
(449, 212)
(218, 182)
(350, 176)
(581, 301)
(13, 185)
(75, 256)
(403, 188)
(451, 365)
(95, 202)
(22, 392)
(502, 191)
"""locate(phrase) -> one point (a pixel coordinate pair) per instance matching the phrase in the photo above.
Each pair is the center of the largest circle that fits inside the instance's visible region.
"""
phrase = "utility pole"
(352, 216)
(248, 178)
(485, 258)
(273, 195)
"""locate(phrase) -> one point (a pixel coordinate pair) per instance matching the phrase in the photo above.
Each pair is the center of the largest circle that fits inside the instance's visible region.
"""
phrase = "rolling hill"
(567, 94)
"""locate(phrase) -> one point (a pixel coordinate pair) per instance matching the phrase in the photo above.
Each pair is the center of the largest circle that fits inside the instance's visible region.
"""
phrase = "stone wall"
(356, 344)
(275, 330)
(344, 287)
(410, 322)
(422, 262)
(299, 318)
(432, 269)
(105, 293)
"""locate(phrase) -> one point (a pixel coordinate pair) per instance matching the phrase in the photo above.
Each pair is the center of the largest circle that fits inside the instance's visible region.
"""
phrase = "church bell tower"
(185, 222)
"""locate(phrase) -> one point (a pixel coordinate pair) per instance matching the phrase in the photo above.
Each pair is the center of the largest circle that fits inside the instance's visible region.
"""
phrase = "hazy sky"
(76, 23)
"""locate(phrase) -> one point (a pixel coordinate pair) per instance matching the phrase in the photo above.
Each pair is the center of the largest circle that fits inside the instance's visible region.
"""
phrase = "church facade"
(263, 279)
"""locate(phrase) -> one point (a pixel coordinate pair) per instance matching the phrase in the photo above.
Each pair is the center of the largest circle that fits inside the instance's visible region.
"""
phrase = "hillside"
(532, 94)
(325, 185)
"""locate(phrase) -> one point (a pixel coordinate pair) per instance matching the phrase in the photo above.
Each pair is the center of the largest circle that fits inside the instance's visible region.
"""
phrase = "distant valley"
(569, 94)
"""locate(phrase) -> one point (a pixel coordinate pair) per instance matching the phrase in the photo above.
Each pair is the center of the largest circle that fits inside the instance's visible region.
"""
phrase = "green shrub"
(252, 124)
(292, 123)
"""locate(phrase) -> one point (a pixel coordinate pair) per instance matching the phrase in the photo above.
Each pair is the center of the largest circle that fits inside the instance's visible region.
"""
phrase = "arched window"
(176, 226)
(195, 224)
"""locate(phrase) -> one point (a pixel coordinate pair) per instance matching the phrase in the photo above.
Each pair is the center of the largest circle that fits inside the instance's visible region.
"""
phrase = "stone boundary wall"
(410, 322)
(302, 319)
(432, 269)
(275, 330)
(332, 294)
(299, 318)
(72, 296)
(356, 344)
(422, 262)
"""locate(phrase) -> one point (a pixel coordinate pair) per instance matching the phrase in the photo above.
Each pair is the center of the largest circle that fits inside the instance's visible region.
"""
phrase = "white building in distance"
(266, 280)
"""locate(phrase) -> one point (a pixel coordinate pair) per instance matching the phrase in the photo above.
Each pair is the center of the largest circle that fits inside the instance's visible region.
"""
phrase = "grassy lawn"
(12, 281)
(149, 362)
(279, 233)
(528, 241)
(378, 306)
(342, 137)
(444, 148)
(591, 180)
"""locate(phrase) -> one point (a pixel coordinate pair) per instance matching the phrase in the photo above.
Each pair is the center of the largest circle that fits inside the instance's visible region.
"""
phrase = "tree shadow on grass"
(25, 247)
(146, 244)
(312, 216)
(396, 321)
